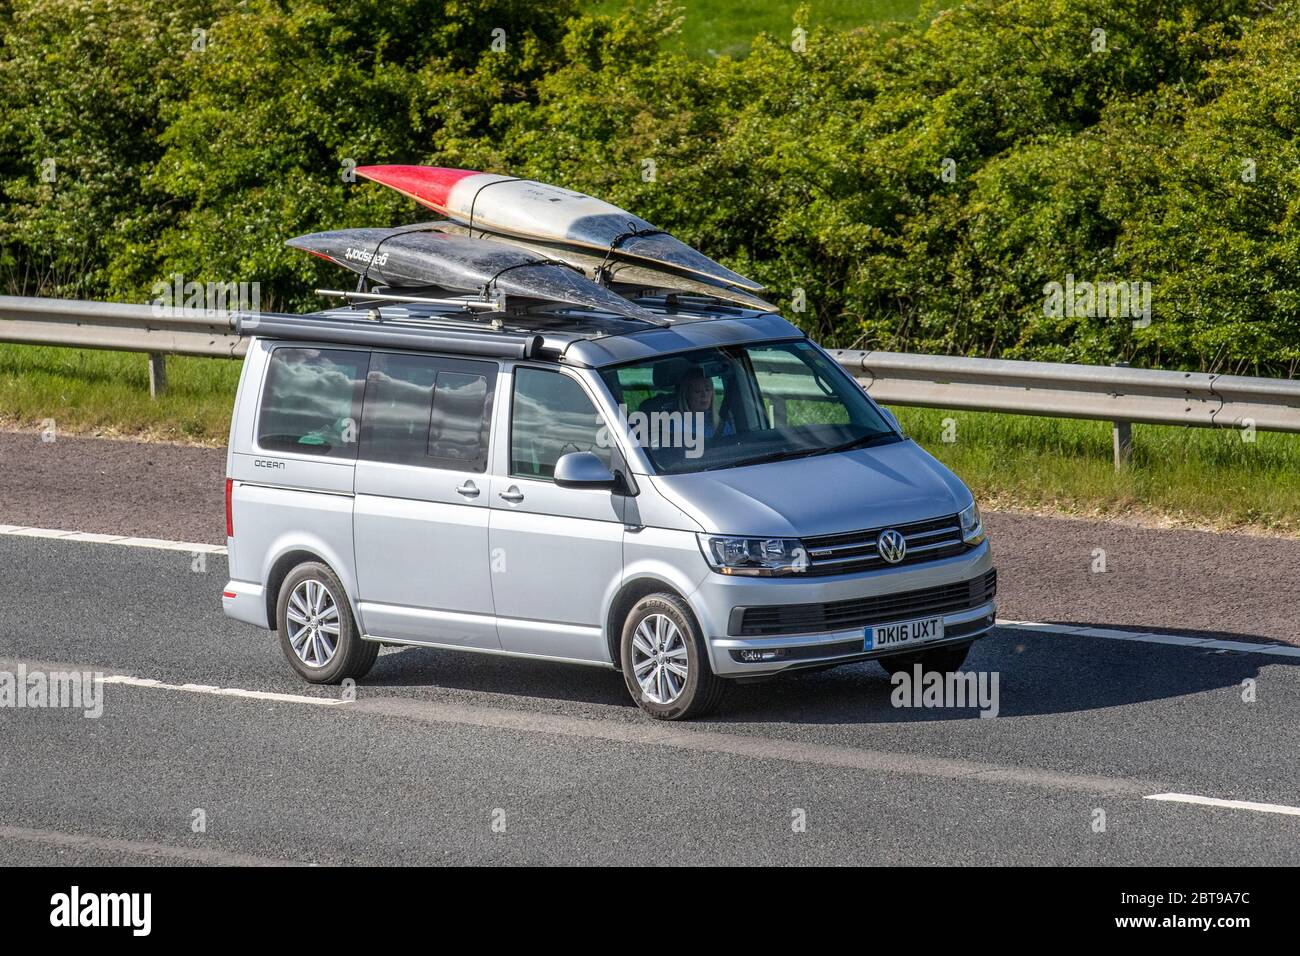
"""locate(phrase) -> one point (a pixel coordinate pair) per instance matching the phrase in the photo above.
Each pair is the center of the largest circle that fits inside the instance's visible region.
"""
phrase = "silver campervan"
(703, 498)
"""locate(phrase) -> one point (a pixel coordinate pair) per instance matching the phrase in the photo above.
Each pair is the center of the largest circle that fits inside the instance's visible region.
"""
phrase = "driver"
(695, 402)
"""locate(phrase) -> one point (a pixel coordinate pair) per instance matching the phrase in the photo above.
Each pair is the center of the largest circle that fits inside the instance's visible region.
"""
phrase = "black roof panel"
(570, 334)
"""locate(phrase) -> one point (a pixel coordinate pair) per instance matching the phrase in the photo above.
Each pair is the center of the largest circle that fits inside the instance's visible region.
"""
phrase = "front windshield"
(741, 405)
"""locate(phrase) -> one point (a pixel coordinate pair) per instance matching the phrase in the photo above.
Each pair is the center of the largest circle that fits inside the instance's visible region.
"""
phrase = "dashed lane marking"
(1227, 804)
(1155, 637)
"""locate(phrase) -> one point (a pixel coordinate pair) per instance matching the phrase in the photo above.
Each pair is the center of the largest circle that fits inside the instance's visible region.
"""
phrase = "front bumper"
(842, 647)
(718, 600)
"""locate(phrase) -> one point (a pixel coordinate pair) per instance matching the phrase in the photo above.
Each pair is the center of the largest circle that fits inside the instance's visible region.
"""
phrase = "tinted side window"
(422, 410)
(551, 416)
(312, 401)
(459, 430)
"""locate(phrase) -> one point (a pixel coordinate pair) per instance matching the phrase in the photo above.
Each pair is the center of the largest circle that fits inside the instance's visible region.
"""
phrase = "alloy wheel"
(659, 659)
(313, 623)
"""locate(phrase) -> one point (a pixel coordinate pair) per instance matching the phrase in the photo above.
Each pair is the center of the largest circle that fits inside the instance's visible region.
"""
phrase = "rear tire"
(945, 660)
(665, 663)
(318, 634)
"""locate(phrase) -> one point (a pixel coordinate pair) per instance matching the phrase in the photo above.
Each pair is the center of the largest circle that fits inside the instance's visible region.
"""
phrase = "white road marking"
(92, 537)
(221, 691)
(1229, 804)
(164, 851)
(1154, 637)
(654, 734)
(757, 748)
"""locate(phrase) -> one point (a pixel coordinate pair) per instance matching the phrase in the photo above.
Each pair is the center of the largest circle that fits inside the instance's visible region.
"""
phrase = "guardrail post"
(157, 374)
(1122, 437)
(1122, 433)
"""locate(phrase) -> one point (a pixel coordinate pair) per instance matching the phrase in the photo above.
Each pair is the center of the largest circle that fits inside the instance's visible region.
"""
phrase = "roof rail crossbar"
(389, 335)
(466, 302)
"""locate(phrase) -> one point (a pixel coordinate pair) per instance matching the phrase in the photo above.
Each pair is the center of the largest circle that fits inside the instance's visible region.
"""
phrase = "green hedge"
(1135, 142)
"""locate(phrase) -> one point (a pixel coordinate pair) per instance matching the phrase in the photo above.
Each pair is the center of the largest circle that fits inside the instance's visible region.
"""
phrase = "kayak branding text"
(362, 255)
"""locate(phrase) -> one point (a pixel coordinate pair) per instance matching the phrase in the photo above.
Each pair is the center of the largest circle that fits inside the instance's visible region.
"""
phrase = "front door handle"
(512, 495)
(468, 490)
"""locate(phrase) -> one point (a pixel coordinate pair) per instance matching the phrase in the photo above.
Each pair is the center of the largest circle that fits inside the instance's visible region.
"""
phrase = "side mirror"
(582, 469)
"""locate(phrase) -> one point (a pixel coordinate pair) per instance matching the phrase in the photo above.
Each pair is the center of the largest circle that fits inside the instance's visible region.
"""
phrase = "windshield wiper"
(862, 441)
(764, 459)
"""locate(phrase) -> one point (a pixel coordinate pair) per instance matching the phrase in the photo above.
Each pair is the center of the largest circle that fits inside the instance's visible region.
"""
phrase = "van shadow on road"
(1037, 673)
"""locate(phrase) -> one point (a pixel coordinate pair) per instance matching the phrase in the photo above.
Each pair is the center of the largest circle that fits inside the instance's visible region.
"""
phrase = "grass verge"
(1197, 477)
(104, 393)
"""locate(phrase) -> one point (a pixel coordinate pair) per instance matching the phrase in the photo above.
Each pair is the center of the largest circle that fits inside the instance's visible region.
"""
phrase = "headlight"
(753, 556)
(972, 527)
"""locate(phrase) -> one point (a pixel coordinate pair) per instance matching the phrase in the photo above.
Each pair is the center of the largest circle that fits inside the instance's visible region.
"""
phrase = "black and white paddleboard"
(622, 274)
(419, 256)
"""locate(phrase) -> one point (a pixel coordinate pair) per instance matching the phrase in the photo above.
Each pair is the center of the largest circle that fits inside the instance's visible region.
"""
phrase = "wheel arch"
(629, 593)
(280, 569)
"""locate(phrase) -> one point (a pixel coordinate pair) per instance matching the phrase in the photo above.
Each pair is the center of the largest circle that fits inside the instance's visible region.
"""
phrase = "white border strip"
(1154, 637)
(1228, 804)
(92, 537)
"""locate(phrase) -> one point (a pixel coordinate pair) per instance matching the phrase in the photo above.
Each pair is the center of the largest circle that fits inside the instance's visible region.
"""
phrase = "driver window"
(551, 416)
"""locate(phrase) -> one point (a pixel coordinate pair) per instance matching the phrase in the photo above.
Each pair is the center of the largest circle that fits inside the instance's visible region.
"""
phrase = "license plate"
(903, 633)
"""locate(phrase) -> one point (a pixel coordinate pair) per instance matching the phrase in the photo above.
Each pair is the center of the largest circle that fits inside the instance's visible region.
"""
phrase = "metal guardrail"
(1104, 393)
(1100, 392)
(1119, 395)
(119, 326)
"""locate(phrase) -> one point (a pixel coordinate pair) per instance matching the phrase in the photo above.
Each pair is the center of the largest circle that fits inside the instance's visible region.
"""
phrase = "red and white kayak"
(533, 210)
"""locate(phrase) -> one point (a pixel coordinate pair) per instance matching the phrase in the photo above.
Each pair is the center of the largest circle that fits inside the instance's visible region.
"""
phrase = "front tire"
(945, 660)
(665, 664)
(318, 635)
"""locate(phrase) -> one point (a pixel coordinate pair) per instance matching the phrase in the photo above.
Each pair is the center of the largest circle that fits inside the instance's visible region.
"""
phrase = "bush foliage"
(1148, 141)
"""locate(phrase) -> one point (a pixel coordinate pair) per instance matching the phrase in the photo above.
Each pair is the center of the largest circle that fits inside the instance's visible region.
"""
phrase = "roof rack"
(522, 316)
(430, 319)
(401, 333)
(494, 304)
